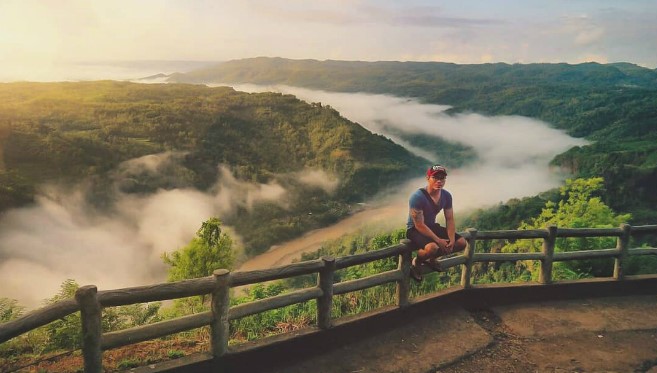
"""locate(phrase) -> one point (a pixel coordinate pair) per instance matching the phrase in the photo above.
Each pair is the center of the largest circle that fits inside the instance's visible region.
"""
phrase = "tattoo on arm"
(417, 216)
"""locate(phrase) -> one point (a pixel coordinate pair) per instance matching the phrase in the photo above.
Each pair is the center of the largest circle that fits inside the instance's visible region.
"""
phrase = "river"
(287, 252)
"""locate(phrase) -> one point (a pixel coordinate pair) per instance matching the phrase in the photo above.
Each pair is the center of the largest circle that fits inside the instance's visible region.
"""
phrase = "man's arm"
(451, 228)
(418, 221)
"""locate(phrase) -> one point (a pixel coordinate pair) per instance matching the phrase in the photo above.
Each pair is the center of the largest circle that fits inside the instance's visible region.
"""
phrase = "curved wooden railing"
(90, 302)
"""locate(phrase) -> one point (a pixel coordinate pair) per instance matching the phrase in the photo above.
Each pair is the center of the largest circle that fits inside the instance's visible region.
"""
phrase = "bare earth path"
(616, 334)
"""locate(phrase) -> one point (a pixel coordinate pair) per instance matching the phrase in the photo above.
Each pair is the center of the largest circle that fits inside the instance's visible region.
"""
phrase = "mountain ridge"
(612, 105)
(75, 131)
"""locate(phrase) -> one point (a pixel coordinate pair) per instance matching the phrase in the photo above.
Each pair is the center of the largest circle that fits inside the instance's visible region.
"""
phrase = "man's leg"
(423, 255)
(429, 251)
(460, 244)
(433, 253)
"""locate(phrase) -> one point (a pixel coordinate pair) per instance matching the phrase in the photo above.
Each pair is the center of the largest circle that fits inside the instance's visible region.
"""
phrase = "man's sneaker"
(434, 265)
(416, 272)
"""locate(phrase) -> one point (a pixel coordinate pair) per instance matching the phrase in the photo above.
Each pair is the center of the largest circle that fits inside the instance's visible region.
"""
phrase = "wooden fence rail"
(90, 302)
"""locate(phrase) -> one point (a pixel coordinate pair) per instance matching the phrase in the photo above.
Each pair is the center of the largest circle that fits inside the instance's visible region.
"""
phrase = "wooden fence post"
(90, 312)
(403, 289)
(466, 268)
(545, 276)
(622, 244)
(325, 302)
(220, 329)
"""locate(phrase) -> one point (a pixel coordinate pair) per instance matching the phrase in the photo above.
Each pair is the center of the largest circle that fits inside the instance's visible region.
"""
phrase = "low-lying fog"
(62, 237)
(513, 151)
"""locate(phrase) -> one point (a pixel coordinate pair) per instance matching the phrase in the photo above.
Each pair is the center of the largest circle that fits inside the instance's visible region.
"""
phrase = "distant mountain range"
(613, 105)
(384, 76)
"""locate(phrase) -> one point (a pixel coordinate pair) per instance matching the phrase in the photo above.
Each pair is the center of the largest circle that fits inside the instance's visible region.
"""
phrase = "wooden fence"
(90, 302)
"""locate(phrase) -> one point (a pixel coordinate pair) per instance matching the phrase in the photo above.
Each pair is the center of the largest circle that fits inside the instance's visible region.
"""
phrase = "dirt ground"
(587, 335)
(584, 351)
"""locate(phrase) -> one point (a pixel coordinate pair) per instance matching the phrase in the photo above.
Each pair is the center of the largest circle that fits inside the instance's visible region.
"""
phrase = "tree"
(209, 250)
(9, 309)
(65, 333)
(579, 207)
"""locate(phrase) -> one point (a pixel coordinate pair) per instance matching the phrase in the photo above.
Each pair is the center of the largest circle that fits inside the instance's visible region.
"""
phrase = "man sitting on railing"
(423, 230)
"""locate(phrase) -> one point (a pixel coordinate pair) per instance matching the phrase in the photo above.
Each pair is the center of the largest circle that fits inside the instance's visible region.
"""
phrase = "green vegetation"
(209, 250)
(9, 309)
(69, 132)
(129, 363)
(629, 169)
(578, 208)
(577, 204)
(508, 215)
(65, 334)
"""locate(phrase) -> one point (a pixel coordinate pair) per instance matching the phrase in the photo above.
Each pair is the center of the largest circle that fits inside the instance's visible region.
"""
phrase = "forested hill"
(614, 105)
(74, 131)
(582, 99)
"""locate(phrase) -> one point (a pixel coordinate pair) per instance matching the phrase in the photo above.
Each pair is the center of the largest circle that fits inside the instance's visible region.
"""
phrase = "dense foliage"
(211, 249)
(70, 131)
(578, 207)
(66, 333)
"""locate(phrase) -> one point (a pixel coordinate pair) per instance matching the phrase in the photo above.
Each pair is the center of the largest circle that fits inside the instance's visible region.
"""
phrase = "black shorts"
(420, 241)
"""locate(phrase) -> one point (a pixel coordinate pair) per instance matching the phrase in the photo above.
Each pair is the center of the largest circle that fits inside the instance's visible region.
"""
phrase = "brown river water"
(388, 216)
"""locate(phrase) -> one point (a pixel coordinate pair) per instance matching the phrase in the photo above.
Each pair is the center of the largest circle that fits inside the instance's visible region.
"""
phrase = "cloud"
(231, 193)
(513, 151)
(583, 29)
(427, 17)
(148, 163)
(319, 179)
(358, 13)
(63, 236)
(589, 36)
(298, 12)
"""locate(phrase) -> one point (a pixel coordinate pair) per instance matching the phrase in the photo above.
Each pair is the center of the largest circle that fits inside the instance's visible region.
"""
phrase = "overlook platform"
(582, 326)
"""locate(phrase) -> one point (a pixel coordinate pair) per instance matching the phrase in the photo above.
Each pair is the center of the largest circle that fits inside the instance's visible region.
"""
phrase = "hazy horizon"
(38, 37)
(142, 71)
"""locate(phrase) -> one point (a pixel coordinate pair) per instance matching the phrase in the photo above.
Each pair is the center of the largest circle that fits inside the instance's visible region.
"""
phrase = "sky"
(38, 37)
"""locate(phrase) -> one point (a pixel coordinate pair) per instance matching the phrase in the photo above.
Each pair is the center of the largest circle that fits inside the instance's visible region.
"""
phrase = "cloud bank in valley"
(513, 151)
(62, 236)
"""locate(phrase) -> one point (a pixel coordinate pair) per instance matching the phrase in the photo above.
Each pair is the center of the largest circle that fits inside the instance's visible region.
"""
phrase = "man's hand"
(444, 247)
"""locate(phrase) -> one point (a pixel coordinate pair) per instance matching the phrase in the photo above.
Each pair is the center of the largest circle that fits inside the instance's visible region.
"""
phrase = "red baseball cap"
(436, 170)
